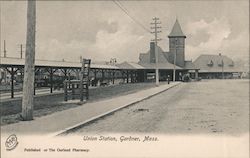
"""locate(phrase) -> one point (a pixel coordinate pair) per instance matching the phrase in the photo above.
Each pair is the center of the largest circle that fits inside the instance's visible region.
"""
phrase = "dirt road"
(209, 106)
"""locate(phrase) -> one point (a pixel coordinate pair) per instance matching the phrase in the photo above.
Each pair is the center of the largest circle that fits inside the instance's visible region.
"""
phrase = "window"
(210, 63)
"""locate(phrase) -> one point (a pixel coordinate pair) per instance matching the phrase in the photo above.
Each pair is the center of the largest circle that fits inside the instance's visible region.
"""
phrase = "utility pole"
(29, 68)
(175, 59)
(21, 51)
(155, 27)
(4, 49)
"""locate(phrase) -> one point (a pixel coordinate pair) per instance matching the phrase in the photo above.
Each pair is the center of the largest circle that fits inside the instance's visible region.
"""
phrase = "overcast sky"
(100, 30)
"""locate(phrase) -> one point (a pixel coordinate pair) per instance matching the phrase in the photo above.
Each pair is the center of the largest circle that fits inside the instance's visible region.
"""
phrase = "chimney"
(152, 52)
(81, 59)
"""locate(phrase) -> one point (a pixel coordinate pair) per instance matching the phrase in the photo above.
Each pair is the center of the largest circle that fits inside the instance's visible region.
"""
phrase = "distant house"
(217, 66)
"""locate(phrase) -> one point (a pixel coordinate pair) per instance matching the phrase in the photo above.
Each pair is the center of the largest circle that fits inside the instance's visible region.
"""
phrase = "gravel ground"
(209, 106)
(45, 105)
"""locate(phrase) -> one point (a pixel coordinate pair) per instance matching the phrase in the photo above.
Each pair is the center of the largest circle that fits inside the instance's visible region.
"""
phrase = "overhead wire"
(123, 8)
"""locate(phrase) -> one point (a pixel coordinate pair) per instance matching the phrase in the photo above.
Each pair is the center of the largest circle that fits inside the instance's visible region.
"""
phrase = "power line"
(4, 49)
(123, 8)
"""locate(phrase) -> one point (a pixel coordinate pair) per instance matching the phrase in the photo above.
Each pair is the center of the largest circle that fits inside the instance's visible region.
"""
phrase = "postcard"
(124, 79)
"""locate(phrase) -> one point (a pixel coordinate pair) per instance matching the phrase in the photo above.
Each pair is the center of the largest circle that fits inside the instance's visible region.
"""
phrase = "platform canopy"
(52, 63)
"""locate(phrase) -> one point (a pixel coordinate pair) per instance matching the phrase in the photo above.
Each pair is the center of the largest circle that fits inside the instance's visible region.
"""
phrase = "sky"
(100, 30)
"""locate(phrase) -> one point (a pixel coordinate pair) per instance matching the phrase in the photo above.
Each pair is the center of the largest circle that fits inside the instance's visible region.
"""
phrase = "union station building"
(167, 61)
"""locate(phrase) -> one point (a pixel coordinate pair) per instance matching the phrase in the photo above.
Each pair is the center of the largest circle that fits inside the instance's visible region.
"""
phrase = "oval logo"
(11, 142)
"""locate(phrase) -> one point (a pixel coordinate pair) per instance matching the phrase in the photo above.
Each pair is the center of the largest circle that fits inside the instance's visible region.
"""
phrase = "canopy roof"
(52, 63)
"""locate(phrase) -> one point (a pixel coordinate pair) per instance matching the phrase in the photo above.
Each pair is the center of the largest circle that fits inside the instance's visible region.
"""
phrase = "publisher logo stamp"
(11, 142)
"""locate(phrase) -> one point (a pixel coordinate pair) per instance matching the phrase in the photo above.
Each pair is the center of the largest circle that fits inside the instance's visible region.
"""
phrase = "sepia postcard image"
(124, 78)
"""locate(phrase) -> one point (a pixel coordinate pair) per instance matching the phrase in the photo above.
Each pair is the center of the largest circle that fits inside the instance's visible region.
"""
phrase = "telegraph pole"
(155, 28)
(21, 51)
(175, 59)
(4, 49)
(29, 68)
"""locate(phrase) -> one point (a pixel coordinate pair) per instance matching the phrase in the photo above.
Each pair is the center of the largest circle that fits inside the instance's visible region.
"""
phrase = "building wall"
(177, 47)
(219, 75)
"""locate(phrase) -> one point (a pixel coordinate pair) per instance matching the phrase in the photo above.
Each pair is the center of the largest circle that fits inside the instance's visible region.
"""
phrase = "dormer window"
(231, 64)
(210, 63)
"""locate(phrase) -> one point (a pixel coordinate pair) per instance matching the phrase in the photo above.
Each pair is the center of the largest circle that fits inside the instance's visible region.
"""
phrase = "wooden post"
(127, 76)
(36, 71)
(12, 73)
(21, 71)
(95, 74)
(65, 73)
(81, 81)
(144, 76)
(21, 51)
(29, 69)
(73, 91)
(103, 75)
(69, 79)
(110, 75)
(65, 91)
(122, 73)
(34, 88)
(4, 49)
(51, 79)
(136, 76)
(113, 77)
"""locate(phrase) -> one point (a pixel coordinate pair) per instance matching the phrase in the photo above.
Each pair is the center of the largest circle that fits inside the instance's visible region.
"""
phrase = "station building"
(167, 61)
(217, 67)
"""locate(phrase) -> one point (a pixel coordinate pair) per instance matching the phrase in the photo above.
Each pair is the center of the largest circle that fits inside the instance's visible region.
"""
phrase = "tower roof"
(176, 31)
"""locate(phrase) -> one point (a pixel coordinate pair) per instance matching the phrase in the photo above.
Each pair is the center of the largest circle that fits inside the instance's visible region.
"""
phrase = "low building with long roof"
(217, 66)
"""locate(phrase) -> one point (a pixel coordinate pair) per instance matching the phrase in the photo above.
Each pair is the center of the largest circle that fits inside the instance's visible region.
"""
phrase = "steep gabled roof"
(162, 61)
(176, 31)
(145, 57)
